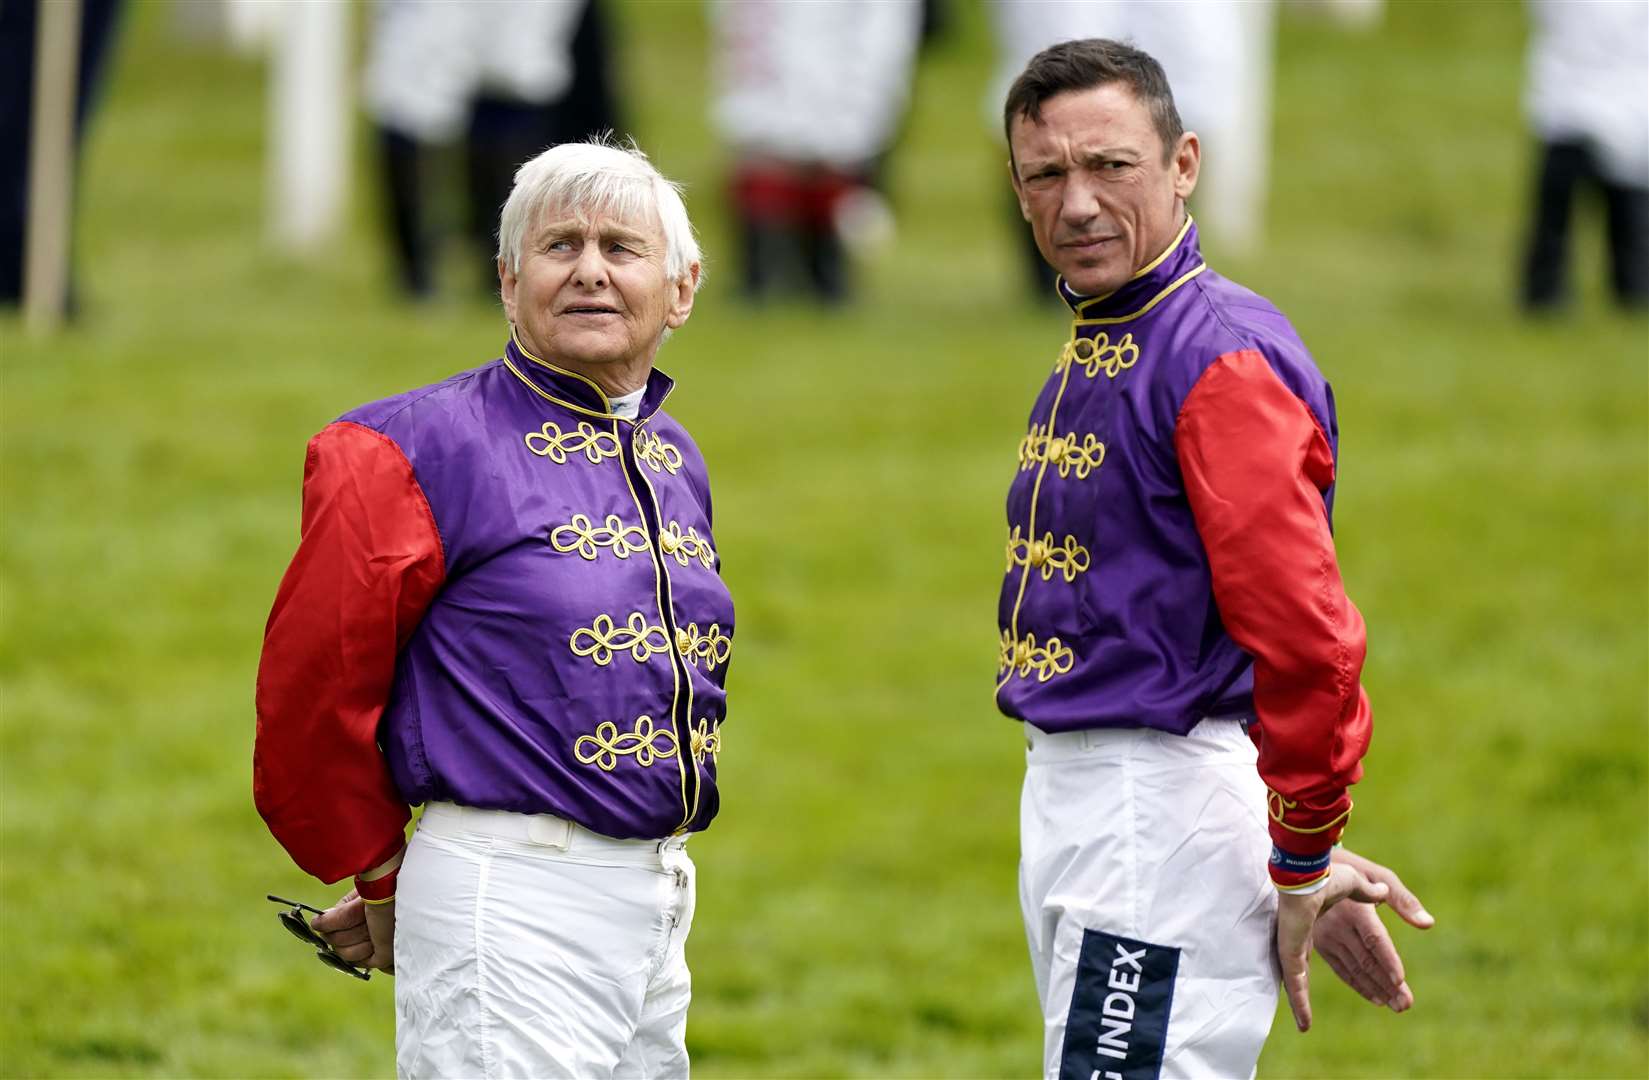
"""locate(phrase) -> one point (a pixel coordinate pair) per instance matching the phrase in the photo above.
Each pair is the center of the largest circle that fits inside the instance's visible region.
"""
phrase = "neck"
(615, 377)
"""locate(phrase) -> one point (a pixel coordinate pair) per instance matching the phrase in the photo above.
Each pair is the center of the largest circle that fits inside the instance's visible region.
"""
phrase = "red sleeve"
(1256, 467)
(369, 562)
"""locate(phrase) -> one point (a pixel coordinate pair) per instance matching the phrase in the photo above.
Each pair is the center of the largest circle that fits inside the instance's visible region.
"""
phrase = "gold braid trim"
(712, 646)
(1068, 558)
(707, 740)
(645, 743)
(1024, 656)
(657, 454)
(602, 638)
(1097, 354)
(685, 547)
(1067, 452)
(551, 442)
(585, 537)
(1279, 807)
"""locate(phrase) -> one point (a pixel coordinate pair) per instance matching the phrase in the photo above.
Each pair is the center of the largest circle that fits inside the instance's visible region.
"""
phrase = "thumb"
(1407, 905)
(1366, 891)
(348, 911)
(1346, 882)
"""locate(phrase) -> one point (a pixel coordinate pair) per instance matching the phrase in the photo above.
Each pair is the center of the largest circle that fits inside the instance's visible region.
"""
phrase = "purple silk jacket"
(1169, 553)
(514, 595)
(1107, 613)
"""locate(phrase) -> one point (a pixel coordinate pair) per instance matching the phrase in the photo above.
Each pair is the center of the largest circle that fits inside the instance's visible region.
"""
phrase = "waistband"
(1212, 738)
(543, 830)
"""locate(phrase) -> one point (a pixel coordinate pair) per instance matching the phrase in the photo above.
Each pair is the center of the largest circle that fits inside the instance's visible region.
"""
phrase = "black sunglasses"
(299, 926)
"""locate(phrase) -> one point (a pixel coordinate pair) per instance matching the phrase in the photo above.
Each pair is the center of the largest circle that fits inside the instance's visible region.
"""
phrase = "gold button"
(1039, 553)
(668, 543)
(1022, 652)
(1056, 450)
(684, 640)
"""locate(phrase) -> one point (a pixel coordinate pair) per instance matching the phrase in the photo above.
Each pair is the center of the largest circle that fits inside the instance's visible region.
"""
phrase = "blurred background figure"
(506, 78)
(810, 98)
(1588, 102)
(1218, 56)
(19, 33)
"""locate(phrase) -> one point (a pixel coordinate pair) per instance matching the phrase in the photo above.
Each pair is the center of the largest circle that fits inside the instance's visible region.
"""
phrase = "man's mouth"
(1087, 243)
(589, 309)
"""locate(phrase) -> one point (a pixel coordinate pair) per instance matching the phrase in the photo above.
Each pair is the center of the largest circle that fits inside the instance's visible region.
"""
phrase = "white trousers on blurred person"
(527, 946)
(1147, 903)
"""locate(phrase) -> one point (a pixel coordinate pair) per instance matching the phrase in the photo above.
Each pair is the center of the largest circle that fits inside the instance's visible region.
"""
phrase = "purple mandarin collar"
(569, 388)
(1182, 257)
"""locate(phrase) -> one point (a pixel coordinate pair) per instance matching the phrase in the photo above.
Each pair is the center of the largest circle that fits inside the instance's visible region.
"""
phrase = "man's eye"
(559, 245)
(1115, 166)
(617, 247)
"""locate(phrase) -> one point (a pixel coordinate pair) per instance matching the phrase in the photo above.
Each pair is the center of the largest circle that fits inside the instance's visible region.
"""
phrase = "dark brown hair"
(1084, 64)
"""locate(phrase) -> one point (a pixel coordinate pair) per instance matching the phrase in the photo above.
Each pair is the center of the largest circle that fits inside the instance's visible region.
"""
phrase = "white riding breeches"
(1148, 907)
(527, 946)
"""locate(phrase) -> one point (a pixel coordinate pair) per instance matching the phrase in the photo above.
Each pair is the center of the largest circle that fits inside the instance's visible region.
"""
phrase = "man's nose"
(590, 271)
(1080, 204)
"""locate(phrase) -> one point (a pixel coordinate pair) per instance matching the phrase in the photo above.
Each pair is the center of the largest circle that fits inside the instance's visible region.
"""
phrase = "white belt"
(1212, 736)
(543, 830)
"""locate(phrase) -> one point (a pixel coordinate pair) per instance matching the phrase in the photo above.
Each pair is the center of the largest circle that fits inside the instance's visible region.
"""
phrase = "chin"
(1094, 279)
(1091, 283)
(594, 352)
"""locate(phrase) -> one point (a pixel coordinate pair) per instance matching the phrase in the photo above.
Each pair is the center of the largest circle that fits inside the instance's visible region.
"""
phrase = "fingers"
(1401, 900)
(1294, 956)
(357, 953)
(1346, 882)
(380, 921)
(1354, 974)
(1407, 905)
(1358, 948)
(354, 945)
(349, 911)
(1377, 947)
(1297, 984)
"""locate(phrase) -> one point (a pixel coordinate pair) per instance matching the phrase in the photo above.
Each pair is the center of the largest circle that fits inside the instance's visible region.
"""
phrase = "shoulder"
(1237, 320)
(427, 415)
(1221, 317)
(421, 403)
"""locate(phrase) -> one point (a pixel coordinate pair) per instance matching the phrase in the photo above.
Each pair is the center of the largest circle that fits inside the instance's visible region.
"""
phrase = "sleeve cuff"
(1299, 874)
(377, 886)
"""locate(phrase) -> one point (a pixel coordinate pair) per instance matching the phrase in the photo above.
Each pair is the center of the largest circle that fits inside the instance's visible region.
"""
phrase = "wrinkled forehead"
(623, 203)
(1107, 116)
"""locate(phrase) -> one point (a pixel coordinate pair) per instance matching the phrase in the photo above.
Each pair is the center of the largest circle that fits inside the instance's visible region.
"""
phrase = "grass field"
(857, 912)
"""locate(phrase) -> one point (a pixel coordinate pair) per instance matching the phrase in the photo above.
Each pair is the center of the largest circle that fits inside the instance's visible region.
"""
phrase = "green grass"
(858, 913)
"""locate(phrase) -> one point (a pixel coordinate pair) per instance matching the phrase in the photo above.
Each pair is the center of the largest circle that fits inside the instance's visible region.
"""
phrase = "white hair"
(598, 177)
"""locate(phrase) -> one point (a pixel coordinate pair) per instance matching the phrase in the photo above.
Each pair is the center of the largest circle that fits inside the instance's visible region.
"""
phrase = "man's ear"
(1187, 164)
(506, 289)
(681, 305)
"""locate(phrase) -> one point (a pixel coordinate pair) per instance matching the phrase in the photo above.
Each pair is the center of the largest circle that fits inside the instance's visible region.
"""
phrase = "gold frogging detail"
(657, 454)
(1279, 808)
(1024, 656)
(1068, 453)
(551, 442)
(707, 740)
(712, 646)
(643, 742)
(600, 640)
(1097, 354)
(1067, 557)
(586, 538)
(685, 547)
